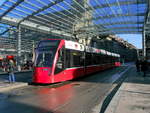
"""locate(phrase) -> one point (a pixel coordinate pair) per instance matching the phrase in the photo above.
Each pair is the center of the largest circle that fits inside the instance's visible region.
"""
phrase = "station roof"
(62, 16)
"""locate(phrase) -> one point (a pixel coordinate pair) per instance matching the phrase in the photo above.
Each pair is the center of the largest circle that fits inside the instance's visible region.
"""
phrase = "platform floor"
(133, 96)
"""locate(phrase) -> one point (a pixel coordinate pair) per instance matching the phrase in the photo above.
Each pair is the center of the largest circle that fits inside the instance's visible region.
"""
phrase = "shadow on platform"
(9, 105)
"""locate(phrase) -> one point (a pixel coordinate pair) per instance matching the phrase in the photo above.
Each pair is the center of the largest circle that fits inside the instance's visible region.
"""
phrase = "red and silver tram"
(59, 60)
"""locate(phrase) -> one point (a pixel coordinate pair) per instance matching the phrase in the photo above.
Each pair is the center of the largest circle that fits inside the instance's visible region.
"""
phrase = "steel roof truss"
(11, 8)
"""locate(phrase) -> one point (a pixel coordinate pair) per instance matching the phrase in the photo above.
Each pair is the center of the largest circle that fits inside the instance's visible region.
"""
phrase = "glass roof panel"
(25, 4)
(71, 13)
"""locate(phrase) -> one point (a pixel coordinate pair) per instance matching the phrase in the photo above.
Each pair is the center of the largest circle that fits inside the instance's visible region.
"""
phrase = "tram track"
(74, 83)
(92, 88)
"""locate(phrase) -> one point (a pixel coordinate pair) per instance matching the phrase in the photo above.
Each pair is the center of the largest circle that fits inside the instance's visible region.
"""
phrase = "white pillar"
(19, 48)
(33, 51)
(144, 44)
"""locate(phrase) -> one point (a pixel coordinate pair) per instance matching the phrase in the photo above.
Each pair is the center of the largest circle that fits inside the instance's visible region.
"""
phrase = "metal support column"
(144, 44)
(19, 48)
(25, 58)
(33, 51)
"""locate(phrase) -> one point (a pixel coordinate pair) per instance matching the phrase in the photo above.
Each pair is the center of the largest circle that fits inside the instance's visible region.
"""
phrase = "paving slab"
(133, 96)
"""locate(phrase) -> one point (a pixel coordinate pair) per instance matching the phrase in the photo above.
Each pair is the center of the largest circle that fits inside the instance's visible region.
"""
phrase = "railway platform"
(22, 79)
(6, 86)
(133, 96)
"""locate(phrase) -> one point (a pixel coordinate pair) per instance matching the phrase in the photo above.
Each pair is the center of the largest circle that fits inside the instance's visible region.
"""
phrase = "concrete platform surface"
(6, 86)
(22, 79)
(133, 96)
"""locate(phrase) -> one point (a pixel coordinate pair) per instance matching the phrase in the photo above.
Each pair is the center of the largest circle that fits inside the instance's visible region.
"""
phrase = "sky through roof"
(103, 16)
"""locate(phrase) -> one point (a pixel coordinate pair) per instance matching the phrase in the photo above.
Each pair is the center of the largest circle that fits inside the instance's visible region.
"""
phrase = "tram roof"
(61, 16)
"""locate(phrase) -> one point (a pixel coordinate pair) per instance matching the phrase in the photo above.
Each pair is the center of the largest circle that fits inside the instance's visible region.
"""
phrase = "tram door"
(60, 61)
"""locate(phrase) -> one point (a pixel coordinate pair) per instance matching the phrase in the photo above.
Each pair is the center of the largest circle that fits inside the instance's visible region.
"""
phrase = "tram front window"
(44, 58)
(45, 53)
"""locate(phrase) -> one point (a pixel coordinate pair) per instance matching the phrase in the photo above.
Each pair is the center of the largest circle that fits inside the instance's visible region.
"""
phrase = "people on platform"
(144, 67)
(138, 65)
(10, 68)
(4, 63)
(28, 65)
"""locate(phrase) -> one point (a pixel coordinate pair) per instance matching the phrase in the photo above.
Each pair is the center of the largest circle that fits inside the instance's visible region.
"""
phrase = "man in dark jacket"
(144, 67)
(138, 65)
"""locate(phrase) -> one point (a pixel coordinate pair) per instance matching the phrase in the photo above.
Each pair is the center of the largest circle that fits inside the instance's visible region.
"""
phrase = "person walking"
(10, 70)
(144, 67)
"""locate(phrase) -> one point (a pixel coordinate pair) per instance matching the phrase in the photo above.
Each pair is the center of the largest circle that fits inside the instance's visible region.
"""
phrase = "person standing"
(138, 65)
(5, 65)
(144, 67)
(10, 70)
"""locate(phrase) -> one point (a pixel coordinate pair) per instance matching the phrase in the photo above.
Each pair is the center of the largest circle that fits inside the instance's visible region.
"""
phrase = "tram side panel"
(72, 65)
(98, 62)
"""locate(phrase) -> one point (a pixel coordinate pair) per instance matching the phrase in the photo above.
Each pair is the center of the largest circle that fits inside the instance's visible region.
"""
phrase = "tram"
(58, 60)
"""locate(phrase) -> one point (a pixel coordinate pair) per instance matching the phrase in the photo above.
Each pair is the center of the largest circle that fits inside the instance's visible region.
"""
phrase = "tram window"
(82, 57)
(68, 60)
(112, 59)
(60, 61)
(102, 57)
(115, 59)
(98, 58)
(88, 59)
(108, 59)
(75, 55)
(74, 58)
(49, 43)
(44, 59)
(95, 59)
